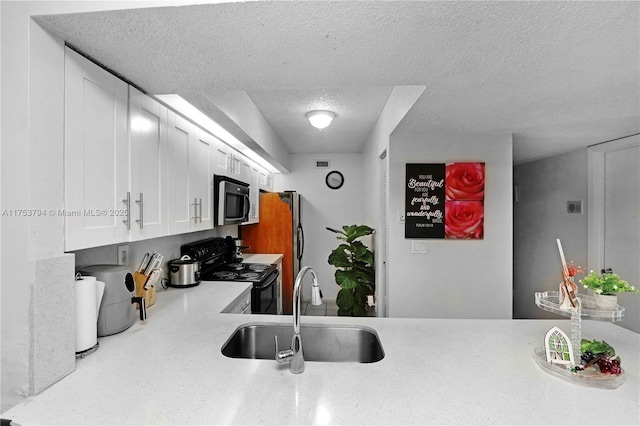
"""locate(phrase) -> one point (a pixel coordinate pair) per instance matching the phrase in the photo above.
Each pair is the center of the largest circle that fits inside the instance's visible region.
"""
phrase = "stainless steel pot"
(184, 272)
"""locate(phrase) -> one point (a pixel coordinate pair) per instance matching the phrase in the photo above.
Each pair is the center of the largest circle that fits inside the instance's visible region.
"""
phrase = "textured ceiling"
(356, 112)
(558, 75)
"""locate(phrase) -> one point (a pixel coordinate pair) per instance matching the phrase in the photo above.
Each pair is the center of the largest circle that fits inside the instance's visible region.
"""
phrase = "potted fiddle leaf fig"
(355, 271)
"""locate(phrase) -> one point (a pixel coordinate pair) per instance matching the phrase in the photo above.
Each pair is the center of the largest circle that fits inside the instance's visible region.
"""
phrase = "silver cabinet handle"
(197, 210)
(140, 202)
(127, 202)
(195, 205)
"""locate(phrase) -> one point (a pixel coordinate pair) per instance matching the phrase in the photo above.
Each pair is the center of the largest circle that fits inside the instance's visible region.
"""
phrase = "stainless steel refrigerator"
(279, 231)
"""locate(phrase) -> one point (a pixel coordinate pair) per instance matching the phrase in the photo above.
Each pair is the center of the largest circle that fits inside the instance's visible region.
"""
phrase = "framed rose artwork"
(445, 200)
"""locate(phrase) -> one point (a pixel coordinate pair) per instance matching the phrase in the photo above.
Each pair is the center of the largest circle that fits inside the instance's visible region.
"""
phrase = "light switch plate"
(418, 247)
(574, 207)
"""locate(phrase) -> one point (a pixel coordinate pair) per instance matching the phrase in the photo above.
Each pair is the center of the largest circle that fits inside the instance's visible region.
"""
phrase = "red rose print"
(464, 220)
(464, 181)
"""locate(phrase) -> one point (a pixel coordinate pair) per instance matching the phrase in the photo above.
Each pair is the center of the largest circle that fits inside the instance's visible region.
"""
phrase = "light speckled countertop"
(170, 370)
(262, 258)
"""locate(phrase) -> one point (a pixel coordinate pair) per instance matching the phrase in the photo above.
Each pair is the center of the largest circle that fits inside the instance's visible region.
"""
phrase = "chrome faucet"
(294, 354)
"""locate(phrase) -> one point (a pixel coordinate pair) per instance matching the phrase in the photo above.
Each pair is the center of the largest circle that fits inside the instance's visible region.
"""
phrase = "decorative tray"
(591, 377)
(550, 301)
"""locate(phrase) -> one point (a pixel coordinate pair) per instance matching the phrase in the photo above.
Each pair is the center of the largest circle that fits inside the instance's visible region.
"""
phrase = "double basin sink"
(323, 343)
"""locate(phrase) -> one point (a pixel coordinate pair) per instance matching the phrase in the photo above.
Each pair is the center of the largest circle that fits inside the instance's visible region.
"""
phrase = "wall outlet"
(401, 216)
(123, 254)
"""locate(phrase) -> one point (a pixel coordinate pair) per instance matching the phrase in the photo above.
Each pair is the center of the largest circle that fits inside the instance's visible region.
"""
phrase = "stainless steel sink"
(324, 343)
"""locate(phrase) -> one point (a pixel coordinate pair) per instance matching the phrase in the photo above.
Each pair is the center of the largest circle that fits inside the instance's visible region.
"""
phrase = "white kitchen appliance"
(117, 309)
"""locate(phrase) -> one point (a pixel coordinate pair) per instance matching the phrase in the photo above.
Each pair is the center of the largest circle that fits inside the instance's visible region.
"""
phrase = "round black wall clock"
(334, 179)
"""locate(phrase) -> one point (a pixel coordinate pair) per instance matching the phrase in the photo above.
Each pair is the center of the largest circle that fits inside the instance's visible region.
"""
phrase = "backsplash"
(169, 247)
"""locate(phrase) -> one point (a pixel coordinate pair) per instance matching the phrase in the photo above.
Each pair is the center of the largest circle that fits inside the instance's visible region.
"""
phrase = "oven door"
(264, 295)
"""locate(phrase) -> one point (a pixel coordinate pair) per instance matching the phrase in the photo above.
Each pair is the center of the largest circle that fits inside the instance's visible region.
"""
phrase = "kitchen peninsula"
(170, 370)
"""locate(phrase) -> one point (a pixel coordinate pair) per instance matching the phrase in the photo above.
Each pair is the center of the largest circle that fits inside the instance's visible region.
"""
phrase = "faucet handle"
(282, 356)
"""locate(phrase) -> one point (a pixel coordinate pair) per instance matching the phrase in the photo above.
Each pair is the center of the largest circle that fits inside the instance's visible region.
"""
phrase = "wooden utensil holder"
(149, 295)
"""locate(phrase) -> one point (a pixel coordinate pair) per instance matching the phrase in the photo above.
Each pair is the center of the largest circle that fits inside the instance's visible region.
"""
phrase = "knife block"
(149, 295)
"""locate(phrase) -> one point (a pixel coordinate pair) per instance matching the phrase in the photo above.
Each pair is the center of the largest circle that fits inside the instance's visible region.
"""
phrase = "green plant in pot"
(605, 287)
(355, 271)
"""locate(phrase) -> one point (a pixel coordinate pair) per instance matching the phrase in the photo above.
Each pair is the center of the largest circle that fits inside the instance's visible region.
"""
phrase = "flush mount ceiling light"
(320, 119)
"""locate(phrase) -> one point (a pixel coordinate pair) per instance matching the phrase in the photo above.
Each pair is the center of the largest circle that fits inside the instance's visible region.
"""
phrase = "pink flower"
(464, 220)
(464, 181)
(572, 269)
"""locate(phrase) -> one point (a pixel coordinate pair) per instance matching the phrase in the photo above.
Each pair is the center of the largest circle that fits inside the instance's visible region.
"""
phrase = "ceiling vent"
(322, 164)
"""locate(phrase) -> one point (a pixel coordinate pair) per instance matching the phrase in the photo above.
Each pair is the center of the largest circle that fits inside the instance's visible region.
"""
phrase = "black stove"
(250, 272)
(219, 262)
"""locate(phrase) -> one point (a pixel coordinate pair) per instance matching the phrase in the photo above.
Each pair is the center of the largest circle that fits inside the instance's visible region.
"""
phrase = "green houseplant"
(606, 283)
(606, 287)
(355, 271)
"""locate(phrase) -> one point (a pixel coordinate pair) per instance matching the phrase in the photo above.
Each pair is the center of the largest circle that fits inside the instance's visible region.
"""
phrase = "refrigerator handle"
(300, 242)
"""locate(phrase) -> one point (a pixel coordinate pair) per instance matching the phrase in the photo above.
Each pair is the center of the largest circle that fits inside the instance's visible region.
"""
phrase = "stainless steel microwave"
(231, 201)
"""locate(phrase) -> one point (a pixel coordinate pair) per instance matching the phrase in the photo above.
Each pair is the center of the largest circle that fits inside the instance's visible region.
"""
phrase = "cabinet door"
(222, 158)
(235, 166)
(201, 179)
(148, 136)
(263, 179)
(96, 155)
(266, 181)
(181, 210)
(245, 170)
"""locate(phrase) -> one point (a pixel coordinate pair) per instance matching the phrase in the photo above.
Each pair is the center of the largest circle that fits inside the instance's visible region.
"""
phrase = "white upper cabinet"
(266, 180)
(96, 155)
(228, 162)
(181, 210)
(135, 169)
(222, 156)
(245, 170)
(235, 166)
(148, 139)
(201, 179)
(190, 176)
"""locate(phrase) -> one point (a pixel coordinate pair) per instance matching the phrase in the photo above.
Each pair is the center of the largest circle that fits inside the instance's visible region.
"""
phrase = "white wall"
(15, 161)
(540, 217)
(454, 279)
(322, 207)
(399, 103)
